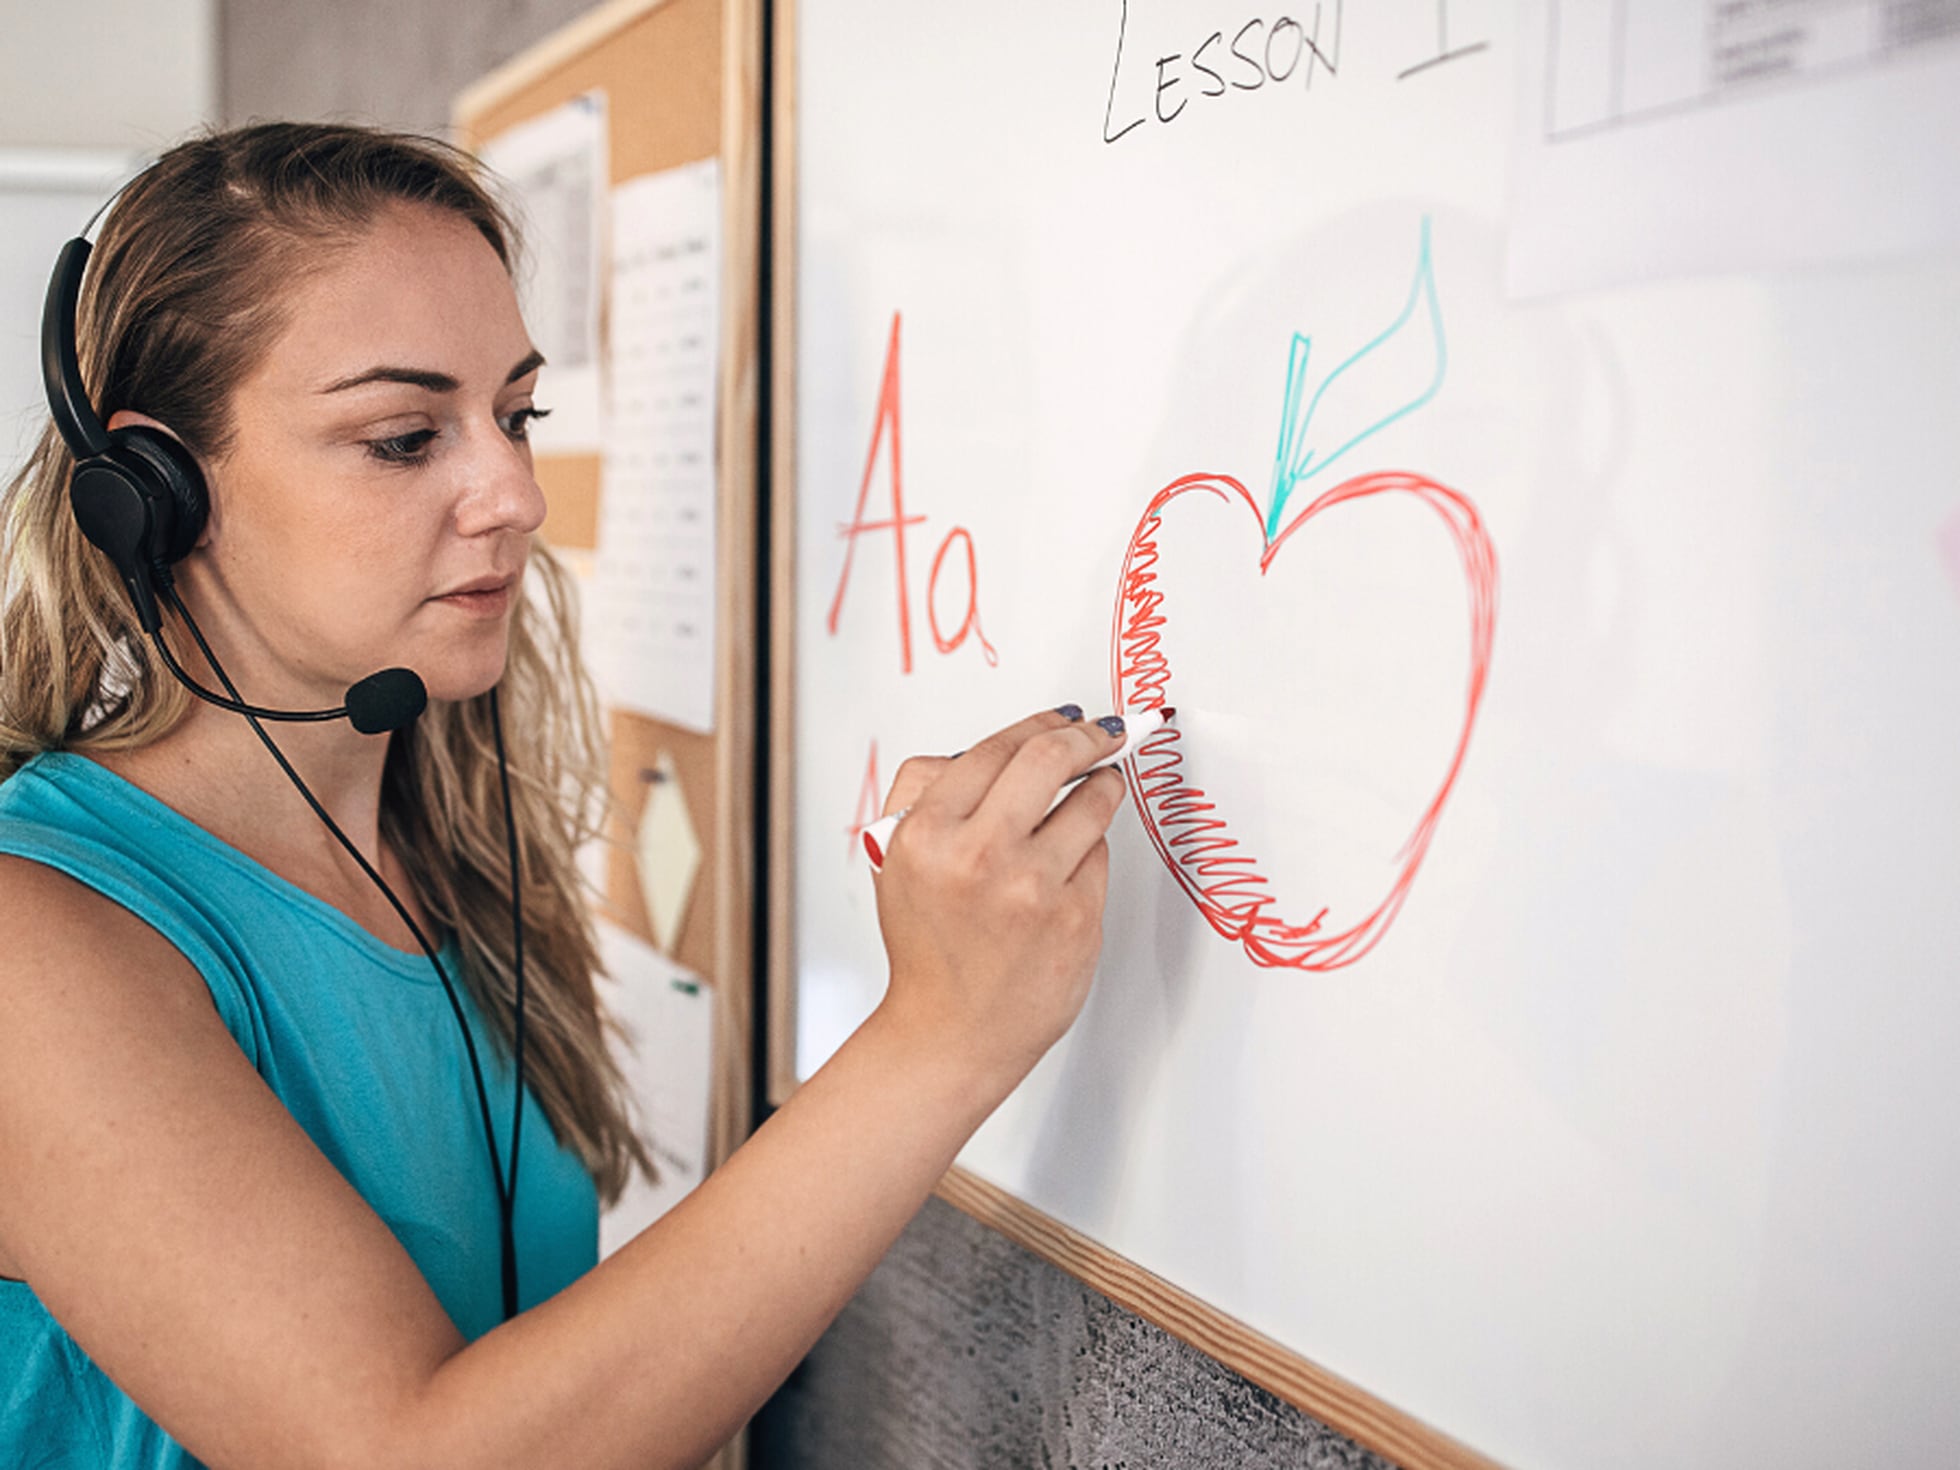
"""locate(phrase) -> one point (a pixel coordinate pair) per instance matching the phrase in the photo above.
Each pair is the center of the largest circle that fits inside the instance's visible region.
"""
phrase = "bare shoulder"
(74, 964)
(50, 923)
(168, 1210)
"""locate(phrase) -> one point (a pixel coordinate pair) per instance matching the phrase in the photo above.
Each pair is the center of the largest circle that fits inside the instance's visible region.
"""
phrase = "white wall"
(87, 91)
(394, 63)
(123, 74)
(46, 195)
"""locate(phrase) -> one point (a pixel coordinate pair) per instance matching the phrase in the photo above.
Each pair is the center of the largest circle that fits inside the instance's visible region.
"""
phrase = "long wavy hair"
(182, 298)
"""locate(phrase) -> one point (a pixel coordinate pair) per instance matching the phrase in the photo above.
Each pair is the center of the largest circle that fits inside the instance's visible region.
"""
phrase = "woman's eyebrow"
(426, 378)
(529, 363)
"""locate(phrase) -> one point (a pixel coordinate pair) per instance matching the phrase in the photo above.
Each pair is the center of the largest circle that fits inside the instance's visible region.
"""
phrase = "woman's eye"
(517, 423)
(402, 448)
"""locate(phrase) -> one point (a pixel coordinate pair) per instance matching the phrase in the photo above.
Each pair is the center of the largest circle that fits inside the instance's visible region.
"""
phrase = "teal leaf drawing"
(1389, 378)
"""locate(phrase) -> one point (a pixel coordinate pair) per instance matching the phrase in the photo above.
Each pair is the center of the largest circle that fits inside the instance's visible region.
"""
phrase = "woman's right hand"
(991, 912)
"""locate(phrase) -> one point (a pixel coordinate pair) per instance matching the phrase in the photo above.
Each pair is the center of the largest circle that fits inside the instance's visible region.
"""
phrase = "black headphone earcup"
(115, 510)
(116, 506)
(174, 481)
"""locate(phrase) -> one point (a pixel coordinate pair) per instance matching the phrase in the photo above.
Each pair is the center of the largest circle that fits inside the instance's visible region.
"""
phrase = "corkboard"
(637, 744)
(660, 67)
(571, 495)
(682, 80)
(616, 49)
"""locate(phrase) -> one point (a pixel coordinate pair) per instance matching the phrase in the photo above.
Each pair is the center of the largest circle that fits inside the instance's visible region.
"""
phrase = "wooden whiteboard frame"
(1283, 1373)
(780, 1008)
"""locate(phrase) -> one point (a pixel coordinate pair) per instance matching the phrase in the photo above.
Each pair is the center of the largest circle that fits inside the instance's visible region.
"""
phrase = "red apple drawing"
(1393, 373)
(1193, 837)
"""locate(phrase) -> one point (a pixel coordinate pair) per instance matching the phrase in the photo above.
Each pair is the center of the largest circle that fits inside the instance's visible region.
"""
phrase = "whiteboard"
(1528, 986)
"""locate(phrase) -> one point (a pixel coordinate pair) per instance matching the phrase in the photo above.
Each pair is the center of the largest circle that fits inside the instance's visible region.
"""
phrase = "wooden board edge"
(574, 38)
(1334, 1401)
(737, 441)
(738, 147)
(738, 127)
(781, 572)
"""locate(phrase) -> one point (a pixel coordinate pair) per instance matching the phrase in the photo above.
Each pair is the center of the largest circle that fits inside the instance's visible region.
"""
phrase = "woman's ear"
(124, 418)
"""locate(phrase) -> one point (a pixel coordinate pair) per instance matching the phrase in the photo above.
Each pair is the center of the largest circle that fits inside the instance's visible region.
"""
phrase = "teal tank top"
(358, 1041)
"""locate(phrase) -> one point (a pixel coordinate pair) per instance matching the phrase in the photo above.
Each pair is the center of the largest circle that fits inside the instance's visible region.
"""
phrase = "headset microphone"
(388, 700)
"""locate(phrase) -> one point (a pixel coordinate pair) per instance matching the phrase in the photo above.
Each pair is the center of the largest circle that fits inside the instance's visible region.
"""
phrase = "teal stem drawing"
(1297, 457)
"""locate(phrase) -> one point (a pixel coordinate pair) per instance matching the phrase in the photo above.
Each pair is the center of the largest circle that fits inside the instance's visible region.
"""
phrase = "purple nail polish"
(1112, 726)
(1069, 711)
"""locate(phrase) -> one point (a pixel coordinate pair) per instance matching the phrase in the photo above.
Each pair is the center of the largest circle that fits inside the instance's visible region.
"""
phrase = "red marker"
(878, 836)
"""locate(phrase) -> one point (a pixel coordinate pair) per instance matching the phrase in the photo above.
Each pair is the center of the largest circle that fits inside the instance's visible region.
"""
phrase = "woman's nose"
(501, 491)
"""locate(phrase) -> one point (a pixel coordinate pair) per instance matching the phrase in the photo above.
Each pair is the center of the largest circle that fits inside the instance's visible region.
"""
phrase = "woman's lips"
(485, 604)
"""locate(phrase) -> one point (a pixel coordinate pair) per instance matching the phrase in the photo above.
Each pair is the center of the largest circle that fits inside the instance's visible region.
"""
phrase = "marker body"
(878, 836)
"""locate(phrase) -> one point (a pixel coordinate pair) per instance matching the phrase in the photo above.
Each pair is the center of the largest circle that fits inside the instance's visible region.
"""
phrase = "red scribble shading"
(887, 417)
(1190, 834)
(870, 805)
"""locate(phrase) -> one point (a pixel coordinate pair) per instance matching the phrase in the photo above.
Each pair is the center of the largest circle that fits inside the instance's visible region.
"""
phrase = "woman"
(245, 1207)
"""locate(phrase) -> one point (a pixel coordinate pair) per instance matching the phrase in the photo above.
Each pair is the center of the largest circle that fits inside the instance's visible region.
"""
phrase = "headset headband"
(61, 369)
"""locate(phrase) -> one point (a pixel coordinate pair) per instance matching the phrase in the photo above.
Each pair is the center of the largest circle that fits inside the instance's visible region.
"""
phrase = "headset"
(139, 497)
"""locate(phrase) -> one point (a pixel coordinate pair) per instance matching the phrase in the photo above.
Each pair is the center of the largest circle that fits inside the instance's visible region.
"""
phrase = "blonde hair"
(181, 299)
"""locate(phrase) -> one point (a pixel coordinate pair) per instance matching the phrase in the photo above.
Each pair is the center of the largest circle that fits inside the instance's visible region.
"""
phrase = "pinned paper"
(669, 853)
(667, 1015)
(654, 626)
(553, 172)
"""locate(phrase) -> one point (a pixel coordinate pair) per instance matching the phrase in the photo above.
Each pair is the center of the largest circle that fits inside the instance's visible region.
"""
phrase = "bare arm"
(183, 1228)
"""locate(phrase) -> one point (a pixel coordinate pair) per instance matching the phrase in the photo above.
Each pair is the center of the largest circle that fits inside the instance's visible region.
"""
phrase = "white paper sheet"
(554, 173)
(655, 634)
(1679, 137)
(669, 1014)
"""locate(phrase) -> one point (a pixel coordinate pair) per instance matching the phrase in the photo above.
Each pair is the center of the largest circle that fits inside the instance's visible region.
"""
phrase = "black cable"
(517, 1025)
(505, 1191)
(249, 711)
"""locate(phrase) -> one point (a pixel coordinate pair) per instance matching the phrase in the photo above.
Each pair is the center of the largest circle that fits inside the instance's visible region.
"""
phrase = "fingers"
(1092, 874)
(966, 781)
(1036, 775)
(1076, 829)
(913, 778)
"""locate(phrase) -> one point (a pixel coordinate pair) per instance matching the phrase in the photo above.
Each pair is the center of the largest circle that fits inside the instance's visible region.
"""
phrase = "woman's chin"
(456, 678)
